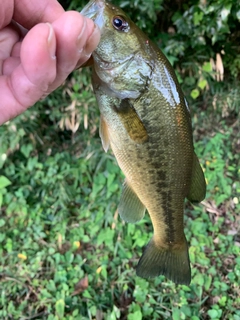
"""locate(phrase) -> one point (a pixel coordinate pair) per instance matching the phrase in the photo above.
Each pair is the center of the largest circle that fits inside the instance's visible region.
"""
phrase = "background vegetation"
(65, 254)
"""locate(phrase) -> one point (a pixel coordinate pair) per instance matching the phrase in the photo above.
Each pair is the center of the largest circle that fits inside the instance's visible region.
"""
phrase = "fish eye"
(120, 24)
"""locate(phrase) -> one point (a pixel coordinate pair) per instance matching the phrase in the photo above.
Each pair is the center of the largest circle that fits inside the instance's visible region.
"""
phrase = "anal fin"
(197, 191)
(130, 208)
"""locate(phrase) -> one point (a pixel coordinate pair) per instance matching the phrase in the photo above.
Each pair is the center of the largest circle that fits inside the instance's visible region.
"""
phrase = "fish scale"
(147, 124)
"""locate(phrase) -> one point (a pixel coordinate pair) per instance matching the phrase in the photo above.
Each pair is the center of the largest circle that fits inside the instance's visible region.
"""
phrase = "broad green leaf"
(202, 84)
(137, 315)
(60, 307)
(195, 93)
(26, 149)
(213, 314)
(207, 67)
(176, 314)
(4, 182)
(197, 17)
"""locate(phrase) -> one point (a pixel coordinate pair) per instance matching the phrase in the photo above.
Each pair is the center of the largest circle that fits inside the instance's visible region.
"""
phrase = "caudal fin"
(172, 263)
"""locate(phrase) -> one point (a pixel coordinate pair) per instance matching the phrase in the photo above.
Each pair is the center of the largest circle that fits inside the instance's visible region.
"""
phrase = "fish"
(145, 120)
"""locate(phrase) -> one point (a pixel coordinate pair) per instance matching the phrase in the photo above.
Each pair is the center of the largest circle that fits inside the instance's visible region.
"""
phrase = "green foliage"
(65, 254)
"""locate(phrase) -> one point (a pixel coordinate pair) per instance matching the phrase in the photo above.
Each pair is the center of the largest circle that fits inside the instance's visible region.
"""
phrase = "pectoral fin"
(103, 132)
(197, 190)
(130, 207)
(131, 121)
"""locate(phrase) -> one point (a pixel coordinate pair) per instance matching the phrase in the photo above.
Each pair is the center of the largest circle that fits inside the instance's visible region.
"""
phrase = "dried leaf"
(80, 286)
(219, 67)
(115, 219)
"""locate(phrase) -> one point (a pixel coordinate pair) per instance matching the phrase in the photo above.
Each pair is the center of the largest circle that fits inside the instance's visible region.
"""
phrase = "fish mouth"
(94, 10)
(114, 64)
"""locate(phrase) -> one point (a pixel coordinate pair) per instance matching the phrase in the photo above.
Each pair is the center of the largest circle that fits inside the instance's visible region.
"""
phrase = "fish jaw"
(112, 58)
(94, 10)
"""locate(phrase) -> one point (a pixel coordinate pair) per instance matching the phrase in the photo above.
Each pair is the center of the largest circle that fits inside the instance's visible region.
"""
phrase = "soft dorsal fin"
(130, 208)
(131, 121)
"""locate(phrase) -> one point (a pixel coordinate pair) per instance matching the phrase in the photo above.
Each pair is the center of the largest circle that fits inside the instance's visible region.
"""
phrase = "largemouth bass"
(146, 121)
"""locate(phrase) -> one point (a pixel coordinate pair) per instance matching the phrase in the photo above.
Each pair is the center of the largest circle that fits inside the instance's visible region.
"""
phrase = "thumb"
(31, 79)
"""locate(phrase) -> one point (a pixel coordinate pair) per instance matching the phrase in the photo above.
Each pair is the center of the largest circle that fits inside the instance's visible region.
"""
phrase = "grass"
(65, 253)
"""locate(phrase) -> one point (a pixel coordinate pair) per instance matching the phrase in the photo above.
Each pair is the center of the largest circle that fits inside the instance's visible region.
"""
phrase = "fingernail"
(51, 41)
(93, 41)
(89, 47)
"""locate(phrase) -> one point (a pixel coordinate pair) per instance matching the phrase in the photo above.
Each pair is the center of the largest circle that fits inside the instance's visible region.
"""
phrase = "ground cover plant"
(65, 253)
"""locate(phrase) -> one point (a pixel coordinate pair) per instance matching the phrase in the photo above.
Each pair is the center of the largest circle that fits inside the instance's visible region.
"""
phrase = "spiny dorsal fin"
(130, 207)
(131, 121)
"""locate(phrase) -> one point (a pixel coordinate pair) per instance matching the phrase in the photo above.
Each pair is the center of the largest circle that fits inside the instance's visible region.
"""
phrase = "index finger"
(29, 13)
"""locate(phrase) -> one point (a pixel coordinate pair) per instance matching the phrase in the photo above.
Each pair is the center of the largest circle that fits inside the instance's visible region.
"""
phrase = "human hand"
(36, 60)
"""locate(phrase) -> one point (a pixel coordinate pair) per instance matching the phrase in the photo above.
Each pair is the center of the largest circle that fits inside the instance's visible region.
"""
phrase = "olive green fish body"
(145, 120)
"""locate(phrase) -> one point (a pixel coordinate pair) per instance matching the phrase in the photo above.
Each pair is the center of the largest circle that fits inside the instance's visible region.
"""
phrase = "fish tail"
(172, 262)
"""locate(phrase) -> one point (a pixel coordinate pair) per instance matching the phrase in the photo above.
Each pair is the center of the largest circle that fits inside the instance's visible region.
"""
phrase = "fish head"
(123, 59)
